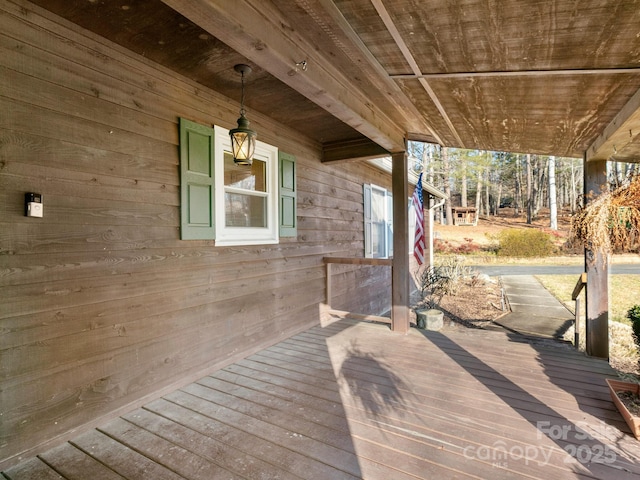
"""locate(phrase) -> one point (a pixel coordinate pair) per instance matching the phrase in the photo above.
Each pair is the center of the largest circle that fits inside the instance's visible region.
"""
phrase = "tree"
(446, 170)
(529, 200)
(462, 163)
(553, 207)
(539, 183)
(517, 195)
(463, 184)
(526, 181)
(504, 172)
(576, 179)
(487, 193)
(479, 189)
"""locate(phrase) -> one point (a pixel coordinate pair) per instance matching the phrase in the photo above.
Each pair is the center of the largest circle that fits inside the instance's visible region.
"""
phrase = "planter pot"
(620, 386)
(430, 319)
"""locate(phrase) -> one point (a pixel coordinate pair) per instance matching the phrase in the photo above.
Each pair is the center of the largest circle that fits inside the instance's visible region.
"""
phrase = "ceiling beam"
(351, 150)
(381, 78)
(517, 73)
(397, 37)
(622, 131)
(262, 34)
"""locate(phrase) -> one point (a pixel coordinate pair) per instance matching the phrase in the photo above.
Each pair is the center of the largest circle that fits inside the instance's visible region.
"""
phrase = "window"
(246, 208)
(233, 204)
(378, 222)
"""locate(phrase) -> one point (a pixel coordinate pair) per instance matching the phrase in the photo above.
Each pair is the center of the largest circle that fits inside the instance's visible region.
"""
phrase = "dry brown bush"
(611, 222)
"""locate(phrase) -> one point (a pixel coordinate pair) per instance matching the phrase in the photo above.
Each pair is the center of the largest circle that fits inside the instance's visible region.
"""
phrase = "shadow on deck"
(352, 400)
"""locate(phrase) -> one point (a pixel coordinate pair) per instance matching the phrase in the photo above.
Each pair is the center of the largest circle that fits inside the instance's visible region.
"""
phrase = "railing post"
(576, 325)
(328, 285)
(575, 296)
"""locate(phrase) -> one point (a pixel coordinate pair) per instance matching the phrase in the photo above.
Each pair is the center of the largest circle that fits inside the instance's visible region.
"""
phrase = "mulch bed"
(475, 305)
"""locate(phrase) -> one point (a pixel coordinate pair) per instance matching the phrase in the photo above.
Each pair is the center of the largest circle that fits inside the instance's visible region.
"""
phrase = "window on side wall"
(378, 222)
(233, 204)
(245, 196)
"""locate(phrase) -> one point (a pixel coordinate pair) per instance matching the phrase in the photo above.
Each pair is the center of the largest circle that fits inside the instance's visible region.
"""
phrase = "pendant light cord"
(242, 111)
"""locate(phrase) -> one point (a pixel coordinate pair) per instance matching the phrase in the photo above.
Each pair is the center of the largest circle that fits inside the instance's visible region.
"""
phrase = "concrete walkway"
(534, 311)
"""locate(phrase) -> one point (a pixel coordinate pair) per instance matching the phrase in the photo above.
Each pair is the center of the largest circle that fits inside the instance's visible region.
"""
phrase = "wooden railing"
(329, 261)
(575, 296)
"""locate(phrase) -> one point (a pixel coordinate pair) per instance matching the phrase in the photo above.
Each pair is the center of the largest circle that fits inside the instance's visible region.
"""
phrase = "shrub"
(611, 221)
(634, 316)
(444, 279)
(446, 247)
(525, 243)
(442, 246)
(468, 247)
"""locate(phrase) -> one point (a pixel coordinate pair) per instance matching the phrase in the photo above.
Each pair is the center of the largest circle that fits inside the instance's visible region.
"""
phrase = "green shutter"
(287, 192)
(196, 181)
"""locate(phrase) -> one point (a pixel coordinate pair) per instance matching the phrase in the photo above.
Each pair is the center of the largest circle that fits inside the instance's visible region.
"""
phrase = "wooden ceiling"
(551, 77)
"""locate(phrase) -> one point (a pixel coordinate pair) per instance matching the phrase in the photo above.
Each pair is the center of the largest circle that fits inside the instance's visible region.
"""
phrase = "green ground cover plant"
(634, 317)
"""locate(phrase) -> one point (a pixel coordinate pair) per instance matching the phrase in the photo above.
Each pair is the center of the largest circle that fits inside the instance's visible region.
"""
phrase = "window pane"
(379, 247)
(245, 210)
(248, 178)
(378, 202)
(379, 222)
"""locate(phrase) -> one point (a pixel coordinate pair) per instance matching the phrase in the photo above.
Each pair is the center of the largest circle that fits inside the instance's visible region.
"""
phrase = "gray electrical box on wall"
(33, 204)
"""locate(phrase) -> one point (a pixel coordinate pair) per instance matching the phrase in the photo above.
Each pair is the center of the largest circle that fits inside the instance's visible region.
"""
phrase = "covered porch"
(347, 400)
(106, 308)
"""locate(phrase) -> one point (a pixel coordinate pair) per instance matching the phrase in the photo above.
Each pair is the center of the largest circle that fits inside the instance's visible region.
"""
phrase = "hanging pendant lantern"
(243, 139)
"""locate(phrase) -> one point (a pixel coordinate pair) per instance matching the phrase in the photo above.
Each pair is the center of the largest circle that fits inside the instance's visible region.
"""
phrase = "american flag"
(418, 205)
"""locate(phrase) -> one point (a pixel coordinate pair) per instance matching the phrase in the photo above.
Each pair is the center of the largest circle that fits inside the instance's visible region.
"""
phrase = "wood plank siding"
(102, 306)
(349, 400)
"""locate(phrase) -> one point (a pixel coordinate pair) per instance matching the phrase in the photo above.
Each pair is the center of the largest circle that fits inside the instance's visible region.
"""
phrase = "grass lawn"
(623, 292)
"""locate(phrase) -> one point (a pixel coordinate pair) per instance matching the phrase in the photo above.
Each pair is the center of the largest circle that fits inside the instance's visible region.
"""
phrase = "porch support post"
(428, 247)
(400, 267)
(596, 264)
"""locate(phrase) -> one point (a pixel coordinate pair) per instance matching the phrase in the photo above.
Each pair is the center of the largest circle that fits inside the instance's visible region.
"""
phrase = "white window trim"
(229, 236)
(388, 219)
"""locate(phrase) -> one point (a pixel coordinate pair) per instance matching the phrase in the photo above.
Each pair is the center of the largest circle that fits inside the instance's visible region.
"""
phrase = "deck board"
(227, 456)
(73, 464)
(566, 400)
(166, 452)
(121, 458)
(353, 400)
(33, 469)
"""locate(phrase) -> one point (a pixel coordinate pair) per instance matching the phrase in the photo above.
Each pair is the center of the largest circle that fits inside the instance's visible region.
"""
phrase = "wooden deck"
(353, 400)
